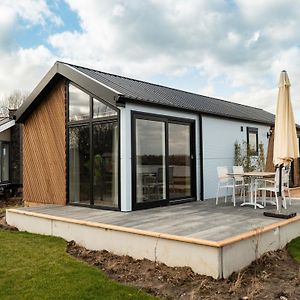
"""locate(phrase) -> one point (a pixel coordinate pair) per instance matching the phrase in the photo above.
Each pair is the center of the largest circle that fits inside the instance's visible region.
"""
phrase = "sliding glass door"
(150, 161)
(179, 160)
(163, 160)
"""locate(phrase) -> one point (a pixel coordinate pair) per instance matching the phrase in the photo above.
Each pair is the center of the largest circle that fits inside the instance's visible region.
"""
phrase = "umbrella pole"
(279, 194)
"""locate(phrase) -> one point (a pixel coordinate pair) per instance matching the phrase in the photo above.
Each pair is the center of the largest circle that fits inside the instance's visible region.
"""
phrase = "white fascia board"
(7, 125)
(91, 78)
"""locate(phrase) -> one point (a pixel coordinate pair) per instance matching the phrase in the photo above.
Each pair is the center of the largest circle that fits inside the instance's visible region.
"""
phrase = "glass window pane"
(253, 142)
(150, 161)
(5, 162)
(79, 104)
(79, 165)
(179, 161)
(102, 110)
(105, 151)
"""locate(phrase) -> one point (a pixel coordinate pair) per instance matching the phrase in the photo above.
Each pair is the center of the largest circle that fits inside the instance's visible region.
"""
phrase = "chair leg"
(284, 202)
(277, 204)
(217, 196)
(290, 198)
(255, 198)
(226, 195)
(264, 194)
(233, 195)
(285, 198)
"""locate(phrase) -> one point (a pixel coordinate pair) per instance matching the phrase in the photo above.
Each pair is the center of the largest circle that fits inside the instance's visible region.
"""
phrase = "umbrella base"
(281, 215)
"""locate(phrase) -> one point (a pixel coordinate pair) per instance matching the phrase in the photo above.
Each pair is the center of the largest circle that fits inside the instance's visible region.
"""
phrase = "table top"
(254, 174)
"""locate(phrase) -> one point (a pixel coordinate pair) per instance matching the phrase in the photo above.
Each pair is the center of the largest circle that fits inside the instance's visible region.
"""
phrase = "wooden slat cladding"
(44, 173)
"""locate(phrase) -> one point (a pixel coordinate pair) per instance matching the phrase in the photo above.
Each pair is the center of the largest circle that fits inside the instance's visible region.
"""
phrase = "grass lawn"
(294, 249)
(38, 267)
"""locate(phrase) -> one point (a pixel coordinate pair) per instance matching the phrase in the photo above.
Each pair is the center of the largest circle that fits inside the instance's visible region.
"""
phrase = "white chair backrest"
(238, 170)
(285, 177)
(222, 174)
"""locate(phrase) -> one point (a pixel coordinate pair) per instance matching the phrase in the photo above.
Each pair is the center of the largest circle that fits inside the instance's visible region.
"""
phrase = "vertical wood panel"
(269, 162)
(44, 154)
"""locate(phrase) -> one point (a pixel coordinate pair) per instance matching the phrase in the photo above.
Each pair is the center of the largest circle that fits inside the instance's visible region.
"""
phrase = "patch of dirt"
(274, 276)
(8, 203)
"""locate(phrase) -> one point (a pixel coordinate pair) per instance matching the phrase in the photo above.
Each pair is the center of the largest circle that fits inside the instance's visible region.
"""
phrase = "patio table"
(253, 176)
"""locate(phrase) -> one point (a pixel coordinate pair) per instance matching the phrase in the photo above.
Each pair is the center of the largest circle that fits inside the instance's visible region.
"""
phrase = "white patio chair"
(272, 186)
(225, 182)
(240, 180)
(286, 185)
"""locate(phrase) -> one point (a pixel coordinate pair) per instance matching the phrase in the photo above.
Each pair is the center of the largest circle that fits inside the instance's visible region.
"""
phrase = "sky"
(233, 50)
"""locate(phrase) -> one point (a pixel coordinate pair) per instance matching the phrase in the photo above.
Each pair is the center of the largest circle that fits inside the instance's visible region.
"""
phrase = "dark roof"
(137, 90)
(118, 89)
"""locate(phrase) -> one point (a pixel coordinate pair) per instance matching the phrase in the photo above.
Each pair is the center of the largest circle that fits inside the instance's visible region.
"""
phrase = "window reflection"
(105, 151)
(179, 160)
(93, 151)
(102, 110)
(79, 104)
(79, 165)
(5, 162)
(150, 161)
(252, 138)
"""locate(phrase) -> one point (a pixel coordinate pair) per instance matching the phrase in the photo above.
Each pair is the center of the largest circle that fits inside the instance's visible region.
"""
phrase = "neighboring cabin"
(106, 141)
(10, 154)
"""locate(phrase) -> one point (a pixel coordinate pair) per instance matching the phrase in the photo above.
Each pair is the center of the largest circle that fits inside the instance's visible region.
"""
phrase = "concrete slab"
(212, 240)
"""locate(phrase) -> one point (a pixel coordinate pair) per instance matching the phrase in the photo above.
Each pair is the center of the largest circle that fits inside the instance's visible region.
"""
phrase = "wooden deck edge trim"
(119, 228)
(257, 231)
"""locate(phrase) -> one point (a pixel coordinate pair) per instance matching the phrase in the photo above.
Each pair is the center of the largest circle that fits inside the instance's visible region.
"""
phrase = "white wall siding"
(126, 144)
(125, 159)
(219, 136)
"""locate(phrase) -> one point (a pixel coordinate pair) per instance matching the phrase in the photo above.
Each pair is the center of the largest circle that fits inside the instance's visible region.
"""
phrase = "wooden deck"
(200, 220)
(213, 240)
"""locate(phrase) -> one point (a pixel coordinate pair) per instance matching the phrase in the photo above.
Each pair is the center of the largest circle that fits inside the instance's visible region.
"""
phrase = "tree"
(12, 102)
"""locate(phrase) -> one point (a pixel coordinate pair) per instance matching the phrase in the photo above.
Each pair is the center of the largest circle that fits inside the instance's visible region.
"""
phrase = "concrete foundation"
(218, 259)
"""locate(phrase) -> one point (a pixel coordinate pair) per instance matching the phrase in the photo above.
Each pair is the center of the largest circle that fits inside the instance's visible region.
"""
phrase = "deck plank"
(202, 220)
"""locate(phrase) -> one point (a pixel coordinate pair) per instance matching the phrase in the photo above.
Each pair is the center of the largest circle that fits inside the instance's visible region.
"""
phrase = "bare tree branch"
(12, 102)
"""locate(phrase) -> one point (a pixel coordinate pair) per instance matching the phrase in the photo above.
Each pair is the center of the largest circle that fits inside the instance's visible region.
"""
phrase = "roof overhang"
(56, 73)
(7, 125)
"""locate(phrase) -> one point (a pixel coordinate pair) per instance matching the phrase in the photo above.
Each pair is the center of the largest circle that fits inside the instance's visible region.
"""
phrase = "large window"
(4, 148)
(252, 140)
(79, 104)
(163, 160)
(79, 164)
(93, 137)
(105, 171)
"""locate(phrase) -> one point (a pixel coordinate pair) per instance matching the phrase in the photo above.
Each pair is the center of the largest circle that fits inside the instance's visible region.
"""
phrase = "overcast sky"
(232, 50)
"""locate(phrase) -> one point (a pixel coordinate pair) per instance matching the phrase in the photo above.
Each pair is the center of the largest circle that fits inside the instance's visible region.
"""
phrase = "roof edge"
(60, 69)
(34, 94)
(122, 100)
(10, 123)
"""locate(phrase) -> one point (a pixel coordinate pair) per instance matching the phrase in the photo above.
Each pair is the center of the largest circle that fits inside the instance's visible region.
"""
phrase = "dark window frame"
(1, 160)
(90, 122)
(253, 130)
(166, 119)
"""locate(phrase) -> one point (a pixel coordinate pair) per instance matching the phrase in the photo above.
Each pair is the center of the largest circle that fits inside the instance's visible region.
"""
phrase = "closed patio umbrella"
(285, 138)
